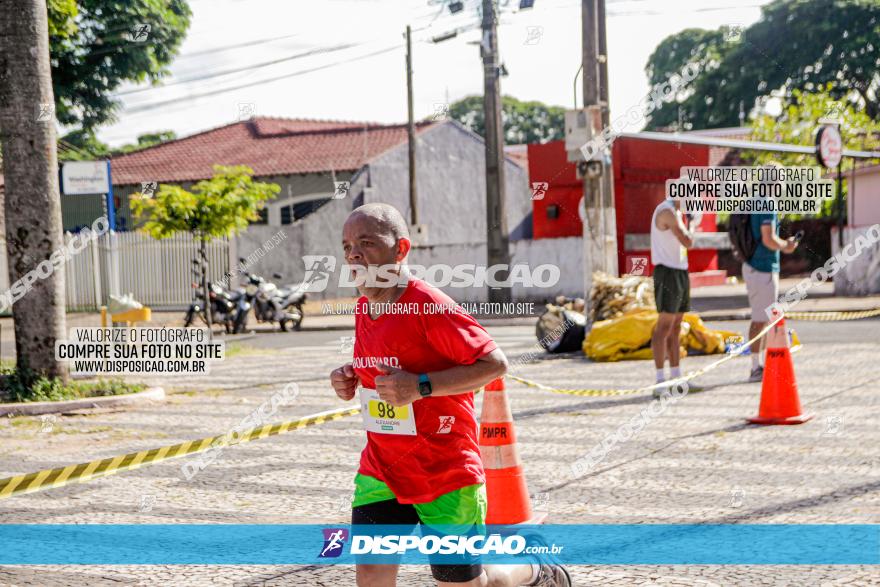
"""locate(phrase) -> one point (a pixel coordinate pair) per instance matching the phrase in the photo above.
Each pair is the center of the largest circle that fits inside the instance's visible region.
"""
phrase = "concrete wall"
(863, 201)
(860, 276)
(566, 253)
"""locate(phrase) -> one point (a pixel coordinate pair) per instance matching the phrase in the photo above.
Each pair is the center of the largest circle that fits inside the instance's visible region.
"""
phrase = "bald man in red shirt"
(418, 369)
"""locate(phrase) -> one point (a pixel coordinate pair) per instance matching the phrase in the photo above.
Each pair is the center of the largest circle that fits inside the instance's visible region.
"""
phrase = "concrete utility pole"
(411, 132)
(607, 187)
(599, 240)
(497, 245)
(592, 237)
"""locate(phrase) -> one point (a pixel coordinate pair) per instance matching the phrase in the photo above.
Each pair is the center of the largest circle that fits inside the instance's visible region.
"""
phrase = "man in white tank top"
(670, 240)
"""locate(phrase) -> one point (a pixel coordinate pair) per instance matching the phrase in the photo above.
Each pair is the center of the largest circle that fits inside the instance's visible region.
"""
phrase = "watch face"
(425, 388)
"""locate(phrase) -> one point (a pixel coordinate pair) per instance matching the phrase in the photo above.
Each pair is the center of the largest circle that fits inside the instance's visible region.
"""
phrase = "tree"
(84, 145)
(221, 206)
(796, 125)
(795, 45)
(32, 202)
(96, 45)
(524, 122)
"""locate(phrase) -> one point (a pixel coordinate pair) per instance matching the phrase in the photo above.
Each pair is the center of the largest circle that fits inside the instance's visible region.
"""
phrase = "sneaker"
(550, 572)
(660, 391)
(757, 375)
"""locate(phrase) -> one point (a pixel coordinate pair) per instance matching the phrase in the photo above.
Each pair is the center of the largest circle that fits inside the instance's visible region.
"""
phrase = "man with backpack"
(756, 242)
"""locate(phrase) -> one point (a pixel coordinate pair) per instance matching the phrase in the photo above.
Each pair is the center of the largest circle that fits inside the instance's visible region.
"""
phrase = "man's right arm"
(774, 243)
(672, 221)
(344, 381)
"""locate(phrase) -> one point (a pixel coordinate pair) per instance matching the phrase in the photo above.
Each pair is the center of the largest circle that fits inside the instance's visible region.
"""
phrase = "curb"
(37, 408)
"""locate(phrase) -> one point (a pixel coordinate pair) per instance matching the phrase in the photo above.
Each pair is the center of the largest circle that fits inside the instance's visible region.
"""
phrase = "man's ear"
(403, 247)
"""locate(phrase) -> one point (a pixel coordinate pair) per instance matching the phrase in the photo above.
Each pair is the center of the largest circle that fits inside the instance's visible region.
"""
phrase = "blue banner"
(604, 544)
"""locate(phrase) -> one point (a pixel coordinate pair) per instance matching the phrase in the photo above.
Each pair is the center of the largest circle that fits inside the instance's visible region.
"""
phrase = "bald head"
(387, 220)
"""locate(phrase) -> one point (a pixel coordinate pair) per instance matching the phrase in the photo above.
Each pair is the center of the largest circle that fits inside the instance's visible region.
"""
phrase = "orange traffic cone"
(779, 395)
(506, 487)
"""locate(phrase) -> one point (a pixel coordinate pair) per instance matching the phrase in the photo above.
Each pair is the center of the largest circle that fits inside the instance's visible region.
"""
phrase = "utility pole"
(411, 132)
(607, 187)
(593, 236)
(497, 245)
(32, 200)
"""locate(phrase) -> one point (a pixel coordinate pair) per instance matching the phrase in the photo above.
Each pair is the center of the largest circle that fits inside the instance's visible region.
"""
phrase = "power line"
(238, 46)
(153, 106)
(239, 69)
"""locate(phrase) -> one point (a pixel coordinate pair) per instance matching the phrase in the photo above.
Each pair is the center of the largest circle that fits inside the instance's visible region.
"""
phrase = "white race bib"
(383, 418)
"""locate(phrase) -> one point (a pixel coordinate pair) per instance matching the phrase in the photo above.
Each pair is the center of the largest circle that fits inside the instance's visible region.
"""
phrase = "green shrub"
(29, 387)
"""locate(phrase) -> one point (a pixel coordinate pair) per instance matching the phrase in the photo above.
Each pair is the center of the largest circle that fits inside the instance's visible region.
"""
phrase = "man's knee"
(375, 575)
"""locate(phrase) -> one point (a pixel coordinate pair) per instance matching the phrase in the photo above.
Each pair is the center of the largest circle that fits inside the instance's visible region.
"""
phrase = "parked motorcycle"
(270, 303)
(223, 305)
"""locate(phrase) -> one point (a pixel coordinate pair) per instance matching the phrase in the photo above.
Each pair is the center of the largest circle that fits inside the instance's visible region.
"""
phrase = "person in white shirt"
(670, 240)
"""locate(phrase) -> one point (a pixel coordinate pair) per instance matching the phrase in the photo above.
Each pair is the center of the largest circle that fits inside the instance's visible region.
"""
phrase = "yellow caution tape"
(632, 391)
(829, 316)
(49, 478)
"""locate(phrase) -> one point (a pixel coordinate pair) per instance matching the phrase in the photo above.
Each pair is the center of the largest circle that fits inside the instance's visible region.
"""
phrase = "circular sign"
(829, 146)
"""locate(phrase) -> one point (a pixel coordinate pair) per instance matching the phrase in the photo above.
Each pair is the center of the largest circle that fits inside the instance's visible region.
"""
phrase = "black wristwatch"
(424, 385)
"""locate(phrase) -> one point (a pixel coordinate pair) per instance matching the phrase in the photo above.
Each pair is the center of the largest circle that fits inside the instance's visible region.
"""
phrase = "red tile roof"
(269, 146)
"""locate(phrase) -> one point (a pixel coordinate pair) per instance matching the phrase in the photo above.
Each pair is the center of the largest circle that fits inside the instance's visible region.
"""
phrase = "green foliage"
(796, 45)
(524, 122)
(27, 386)
(216, 207)
(797, 125)
(88, 147)
(92, 52)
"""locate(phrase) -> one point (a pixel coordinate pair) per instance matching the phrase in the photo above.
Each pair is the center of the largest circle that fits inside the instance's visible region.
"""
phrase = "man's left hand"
(396, 386)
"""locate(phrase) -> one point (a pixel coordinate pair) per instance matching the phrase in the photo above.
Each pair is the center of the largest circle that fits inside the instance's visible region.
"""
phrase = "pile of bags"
(623, 315)
(611, 297)
(629, 337)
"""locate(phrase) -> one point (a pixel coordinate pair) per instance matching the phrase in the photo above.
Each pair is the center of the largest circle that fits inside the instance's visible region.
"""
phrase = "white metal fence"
(157, 272)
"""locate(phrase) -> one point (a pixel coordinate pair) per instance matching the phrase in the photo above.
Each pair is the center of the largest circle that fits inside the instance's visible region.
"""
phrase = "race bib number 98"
(383, 418)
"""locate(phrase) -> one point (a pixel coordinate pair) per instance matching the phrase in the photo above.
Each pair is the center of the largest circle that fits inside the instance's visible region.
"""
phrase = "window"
(293, 212)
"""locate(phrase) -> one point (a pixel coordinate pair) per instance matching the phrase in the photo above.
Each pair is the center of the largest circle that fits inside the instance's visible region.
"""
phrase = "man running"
(418, 371)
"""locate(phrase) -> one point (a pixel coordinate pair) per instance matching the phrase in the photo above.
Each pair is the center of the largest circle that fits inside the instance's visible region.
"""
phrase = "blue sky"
(540, 47)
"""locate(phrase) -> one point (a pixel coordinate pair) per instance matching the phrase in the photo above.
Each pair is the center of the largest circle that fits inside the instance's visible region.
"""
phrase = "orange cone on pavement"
(506, 487)
(779, 395)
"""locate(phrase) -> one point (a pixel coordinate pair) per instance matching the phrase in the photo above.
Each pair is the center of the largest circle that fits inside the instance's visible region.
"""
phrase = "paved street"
(696, 463)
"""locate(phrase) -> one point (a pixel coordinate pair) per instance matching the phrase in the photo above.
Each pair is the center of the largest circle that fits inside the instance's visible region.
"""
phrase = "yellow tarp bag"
(628, 337)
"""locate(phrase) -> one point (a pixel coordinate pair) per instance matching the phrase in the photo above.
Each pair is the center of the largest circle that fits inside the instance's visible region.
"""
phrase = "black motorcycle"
(223, 305)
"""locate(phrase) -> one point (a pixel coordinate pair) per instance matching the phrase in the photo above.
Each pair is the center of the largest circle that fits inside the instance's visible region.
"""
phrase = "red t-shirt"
(444, 454)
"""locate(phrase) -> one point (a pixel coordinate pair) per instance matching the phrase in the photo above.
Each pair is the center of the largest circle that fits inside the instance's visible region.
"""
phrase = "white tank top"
(665, 248)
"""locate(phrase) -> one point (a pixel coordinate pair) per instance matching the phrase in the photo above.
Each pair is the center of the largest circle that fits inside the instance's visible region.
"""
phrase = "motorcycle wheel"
(188, 320)
(240, 323)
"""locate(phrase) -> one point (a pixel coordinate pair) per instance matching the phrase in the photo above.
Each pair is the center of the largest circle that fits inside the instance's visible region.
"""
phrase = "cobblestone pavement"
(697, 462)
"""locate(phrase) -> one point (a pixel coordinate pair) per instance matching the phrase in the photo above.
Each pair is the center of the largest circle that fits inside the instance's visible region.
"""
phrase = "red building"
(641, 168)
